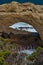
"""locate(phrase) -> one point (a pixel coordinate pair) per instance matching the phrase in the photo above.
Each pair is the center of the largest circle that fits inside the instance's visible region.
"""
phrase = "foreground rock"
(25, 39)
(16, 12)
(9, 54)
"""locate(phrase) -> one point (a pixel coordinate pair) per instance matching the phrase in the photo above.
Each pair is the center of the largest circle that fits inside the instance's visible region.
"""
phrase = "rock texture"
(24, 39)
(16, 12)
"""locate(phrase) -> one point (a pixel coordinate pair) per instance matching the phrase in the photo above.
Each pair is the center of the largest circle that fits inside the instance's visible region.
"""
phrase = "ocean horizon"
(39, 2)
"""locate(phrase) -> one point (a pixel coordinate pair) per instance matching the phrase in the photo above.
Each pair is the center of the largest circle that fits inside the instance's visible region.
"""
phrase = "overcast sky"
(22, 24)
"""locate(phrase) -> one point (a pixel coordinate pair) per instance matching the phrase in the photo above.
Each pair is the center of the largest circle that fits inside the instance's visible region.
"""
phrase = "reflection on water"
(23, 26)
(27, 51)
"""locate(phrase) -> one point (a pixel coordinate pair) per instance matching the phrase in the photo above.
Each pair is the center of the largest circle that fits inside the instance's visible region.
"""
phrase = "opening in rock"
(23, 26)
(26, 27)
(30, 41)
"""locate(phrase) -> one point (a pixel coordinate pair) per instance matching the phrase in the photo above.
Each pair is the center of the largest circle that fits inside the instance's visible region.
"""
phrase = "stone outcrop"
(26, 12)
(25, 39)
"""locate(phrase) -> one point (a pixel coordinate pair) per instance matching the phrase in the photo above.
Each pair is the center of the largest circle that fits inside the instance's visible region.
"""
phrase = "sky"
(33, 1)
(22, 24)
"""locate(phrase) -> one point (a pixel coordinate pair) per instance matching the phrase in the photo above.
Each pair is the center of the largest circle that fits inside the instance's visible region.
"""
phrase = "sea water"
(30, 51)
(21, 1)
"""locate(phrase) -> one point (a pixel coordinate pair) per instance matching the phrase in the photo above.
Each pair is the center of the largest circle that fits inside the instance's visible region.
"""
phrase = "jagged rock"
(16, 12)
(4, 35)
(11, 35)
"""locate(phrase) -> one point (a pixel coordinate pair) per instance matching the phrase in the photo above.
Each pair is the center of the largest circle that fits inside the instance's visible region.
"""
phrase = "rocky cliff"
(27, 12)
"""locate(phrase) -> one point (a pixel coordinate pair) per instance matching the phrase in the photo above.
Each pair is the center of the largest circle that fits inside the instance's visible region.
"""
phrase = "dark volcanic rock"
(11, 35)
(31, 39)
(4, 35)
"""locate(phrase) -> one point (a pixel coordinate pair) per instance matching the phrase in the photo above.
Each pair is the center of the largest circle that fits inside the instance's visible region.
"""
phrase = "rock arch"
(16, 12)
(7, 19)
(31, 19)
(36, 23)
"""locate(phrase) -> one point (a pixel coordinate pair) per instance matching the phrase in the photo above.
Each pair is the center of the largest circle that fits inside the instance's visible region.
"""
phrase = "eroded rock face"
(15, 12)
(24, 39)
